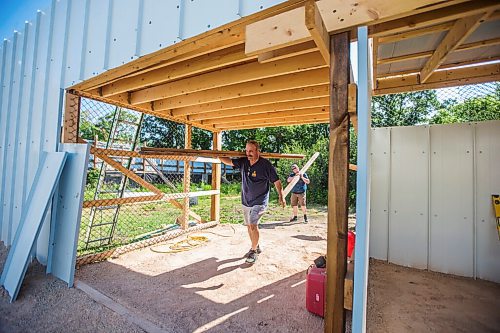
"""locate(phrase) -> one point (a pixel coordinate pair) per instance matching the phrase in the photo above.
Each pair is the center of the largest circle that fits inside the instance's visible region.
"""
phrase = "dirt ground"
(211, 289)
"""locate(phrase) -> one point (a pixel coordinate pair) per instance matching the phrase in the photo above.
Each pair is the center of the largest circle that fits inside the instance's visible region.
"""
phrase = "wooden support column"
(187, 176)
(71, 118)
(338, 168)
(216, 177)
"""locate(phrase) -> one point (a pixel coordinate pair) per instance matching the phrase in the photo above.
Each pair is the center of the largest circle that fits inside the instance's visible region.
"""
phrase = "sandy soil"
(211, 289)
(408, 300)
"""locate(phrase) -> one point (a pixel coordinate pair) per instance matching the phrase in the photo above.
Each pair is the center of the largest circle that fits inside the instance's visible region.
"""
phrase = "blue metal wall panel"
(22, 125)
(196, 16)
(74, 42)
(123, 37)
(96, 37)
(249, 7)
(10, 133)
(154, 14)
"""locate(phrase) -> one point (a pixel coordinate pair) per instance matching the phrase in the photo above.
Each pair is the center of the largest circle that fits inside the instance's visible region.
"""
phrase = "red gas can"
(315, 290)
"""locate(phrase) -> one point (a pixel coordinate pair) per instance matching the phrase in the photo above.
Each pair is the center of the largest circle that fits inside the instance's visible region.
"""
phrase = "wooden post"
(216, 176)
(187, 176)
(71, 118)
(338, 168)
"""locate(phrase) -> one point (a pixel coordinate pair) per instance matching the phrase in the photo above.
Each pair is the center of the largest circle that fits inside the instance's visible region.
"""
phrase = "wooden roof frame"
(211, 80)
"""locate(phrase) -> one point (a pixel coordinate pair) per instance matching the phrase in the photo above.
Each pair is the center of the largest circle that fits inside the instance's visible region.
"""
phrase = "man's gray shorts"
(252, 215)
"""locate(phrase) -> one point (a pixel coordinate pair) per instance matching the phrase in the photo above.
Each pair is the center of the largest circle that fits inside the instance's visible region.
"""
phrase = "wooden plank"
(352, 105)
(292, 95)
(265, 108)
(121, 201)
(457, 34)
(276, 32)
(293, 113)
(71, 118)
(375, 47)
(337, 185)
(439, 79)
(429, 18)
(188, 133)
(276, 122)
(37, 205)
(315, 25)
(296, 178)
(212, 153)
(240, 126)
(415, 33)
(349, 286)
(208, 62)
(310, 78)
(216, 179)
(226, 35)
(287, 52)
(229, 76)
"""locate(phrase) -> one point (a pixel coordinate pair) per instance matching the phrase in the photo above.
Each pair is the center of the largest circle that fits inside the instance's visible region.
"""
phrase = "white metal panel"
(408, 216)
(74, 41)
(123, 36)
(154, 20)
(194, 19)
(451, 247)
(96, 37)
(379, 200)
(38, 203)
(249, 7)
(52, 104)
(22, 126)
(11, 133)
(487, 155)
(4, 120)
(65, 225)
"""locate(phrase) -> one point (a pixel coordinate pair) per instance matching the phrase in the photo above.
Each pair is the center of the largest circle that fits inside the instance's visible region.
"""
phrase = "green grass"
(135, 220)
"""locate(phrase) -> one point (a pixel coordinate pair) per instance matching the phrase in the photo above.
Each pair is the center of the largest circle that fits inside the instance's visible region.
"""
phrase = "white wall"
(431, 192)
(71, 41)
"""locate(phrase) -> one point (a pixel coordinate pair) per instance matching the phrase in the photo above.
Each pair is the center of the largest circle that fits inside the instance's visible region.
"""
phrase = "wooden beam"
(429, 18)
(71, 118)
(276, 32)
(316, 27)
(352, 105)
(314, 77)
(295, 114)
(229, 76)
(439, 79)
(415, 33)
(457, 34)
(296, 178)
(375, 46)
(208, 62)
(263, 109)
(273, 123)
(287, 52)
(337, 185)
(216, 179)
(188, 132)
(292, 95)
(210, 153)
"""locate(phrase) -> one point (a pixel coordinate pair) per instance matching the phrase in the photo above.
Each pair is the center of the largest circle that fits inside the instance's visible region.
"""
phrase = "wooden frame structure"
(282, 66)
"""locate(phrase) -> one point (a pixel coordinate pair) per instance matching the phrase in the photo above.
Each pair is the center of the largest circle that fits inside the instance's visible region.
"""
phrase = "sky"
(13, 14)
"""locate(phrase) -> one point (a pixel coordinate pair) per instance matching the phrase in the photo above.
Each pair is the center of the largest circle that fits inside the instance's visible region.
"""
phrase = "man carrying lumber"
(256, 174)
(298, 192)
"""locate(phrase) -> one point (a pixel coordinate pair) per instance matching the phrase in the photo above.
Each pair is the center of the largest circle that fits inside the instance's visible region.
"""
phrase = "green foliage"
(92, 177)
(475, 109)
(404, 109)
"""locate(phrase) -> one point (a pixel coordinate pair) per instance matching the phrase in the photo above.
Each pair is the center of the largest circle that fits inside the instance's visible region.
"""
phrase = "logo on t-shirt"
(254, 174)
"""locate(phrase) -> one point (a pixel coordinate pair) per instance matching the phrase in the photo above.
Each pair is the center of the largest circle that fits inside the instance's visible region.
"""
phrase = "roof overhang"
(272, 68)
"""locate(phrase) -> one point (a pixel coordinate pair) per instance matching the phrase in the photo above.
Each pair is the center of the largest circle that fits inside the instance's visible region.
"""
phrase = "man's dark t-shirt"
(255, 180)
(300, 187)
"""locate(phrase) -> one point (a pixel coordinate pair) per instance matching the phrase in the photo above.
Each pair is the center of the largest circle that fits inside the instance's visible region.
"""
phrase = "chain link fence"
(107, 223)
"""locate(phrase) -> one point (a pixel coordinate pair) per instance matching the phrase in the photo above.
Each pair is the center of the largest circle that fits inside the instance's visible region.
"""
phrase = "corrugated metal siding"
(439, 180)
(69, 42)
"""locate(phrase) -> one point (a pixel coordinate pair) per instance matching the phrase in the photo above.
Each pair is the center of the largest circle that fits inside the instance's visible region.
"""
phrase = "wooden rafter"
(457, 34)
(287, 52)
(273, 123)
(295, 114)
(317, 29)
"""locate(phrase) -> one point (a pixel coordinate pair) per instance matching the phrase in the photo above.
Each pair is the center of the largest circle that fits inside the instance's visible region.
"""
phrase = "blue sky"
(13, 14)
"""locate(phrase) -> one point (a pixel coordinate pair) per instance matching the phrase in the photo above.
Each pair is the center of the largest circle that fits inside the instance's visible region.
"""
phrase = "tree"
(404, 109)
